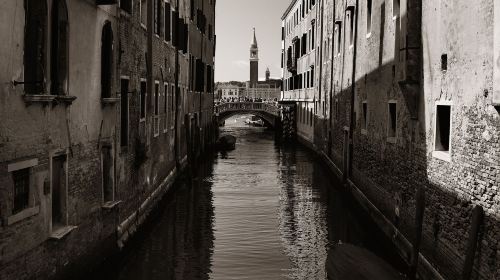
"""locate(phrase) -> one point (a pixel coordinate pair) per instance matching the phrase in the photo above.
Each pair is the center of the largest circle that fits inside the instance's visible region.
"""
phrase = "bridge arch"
(269, 120)
(268, 112)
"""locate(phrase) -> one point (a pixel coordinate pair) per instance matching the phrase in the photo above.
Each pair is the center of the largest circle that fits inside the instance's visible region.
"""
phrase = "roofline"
(288, 9)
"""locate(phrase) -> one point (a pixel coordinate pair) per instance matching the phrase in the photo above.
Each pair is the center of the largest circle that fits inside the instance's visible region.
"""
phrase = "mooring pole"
(477, 220)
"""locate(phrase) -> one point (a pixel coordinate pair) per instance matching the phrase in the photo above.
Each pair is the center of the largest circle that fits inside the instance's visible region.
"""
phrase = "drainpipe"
(176, 86)
(204, 86)
(149, 58)
(330, 116)
(353, 92)
(321, 54)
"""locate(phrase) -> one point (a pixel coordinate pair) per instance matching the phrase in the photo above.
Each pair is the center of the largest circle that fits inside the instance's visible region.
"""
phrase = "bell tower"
(254, 61)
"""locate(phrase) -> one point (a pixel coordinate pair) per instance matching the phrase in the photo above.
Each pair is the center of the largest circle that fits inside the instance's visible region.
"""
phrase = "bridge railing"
(271, 108)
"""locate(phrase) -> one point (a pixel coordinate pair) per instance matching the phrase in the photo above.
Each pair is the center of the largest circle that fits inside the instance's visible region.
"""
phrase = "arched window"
(35, 35)
(106, 60)
(59, 48)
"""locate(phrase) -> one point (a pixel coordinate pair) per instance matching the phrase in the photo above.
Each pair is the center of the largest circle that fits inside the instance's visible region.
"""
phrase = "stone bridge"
(268, 112)
(278, 116)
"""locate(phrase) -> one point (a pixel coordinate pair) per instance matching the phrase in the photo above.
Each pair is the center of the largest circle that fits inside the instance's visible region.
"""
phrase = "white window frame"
(369, 19)
(172, 105)
(145, 99)
(442, 155)
(156, 105)
(31, 209)
(396, 13)
(166, 89)
(60, 232)
(107, 203)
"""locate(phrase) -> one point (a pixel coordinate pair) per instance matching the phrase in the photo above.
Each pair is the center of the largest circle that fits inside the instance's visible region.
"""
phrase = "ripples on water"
(262, 211)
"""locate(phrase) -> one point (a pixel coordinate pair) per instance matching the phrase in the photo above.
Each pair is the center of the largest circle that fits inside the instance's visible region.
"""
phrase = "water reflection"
(177, 242)
(262, 211)
(303, 211)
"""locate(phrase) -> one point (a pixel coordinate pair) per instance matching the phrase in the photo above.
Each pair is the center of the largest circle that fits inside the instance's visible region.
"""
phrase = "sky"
(234, 21)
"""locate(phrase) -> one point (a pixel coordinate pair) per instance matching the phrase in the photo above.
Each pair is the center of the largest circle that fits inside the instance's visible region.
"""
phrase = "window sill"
(60, 232)
(109, 205)
(368, 35)
(441, 155)
(392, 140)
(110, 101)
(44, 99)
(66, 99)
(25, 214)
(364, 131)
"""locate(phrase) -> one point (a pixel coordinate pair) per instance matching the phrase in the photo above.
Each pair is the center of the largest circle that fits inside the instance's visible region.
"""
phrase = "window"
(108, 192)
(444, 62)
(144, 12)
(35, 36)
(59, 48)
(368, 16)
(443, 128)
(304, 44)
(312, 37)
(172, 102)
(59, 191)
(395, 8)
(338, 30)
(364, 125)
(210, 79)
(309, 41)
(350, 20)
(157, 98)
(166, 96)
(392, 125)
(21, 190)
(126, 5)
(106, 60)
(124, 112)
(157, 12)
(312, 76)
(143, 94)
(157, 109)
(167, 22)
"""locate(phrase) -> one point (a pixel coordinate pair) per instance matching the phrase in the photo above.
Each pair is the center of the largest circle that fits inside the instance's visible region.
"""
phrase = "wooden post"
(477, 220)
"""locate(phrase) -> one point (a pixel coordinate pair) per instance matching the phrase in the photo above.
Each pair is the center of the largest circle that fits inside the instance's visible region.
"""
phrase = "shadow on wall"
(389, 169)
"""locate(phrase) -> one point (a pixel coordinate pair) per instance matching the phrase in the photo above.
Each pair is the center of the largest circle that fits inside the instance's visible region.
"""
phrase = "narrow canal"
(262, 211)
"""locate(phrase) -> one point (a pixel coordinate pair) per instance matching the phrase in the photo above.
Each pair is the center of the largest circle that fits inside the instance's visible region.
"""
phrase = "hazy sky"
(234, 22)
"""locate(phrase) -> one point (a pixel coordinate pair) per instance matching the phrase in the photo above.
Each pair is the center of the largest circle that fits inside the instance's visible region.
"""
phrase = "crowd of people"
(245, 99)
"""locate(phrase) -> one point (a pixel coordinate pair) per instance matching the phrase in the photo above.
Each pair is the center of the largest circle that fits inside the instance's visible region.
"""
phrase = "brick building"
(101, 106)
(421, 119)
(299, 61)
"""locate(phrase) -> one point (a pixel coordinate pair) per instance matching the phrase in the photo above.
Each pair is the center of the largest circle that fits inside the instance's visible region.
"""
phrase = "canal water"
(262, 211)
